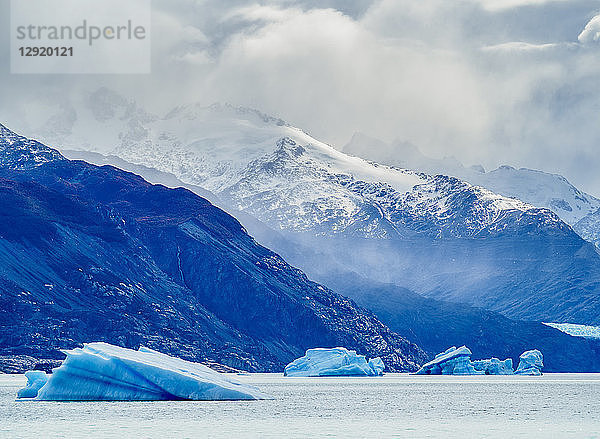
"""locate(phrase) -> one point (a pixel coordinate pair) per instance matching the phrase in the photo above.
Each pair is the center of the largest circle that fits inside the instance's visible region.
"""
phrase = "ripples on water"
(552, 406)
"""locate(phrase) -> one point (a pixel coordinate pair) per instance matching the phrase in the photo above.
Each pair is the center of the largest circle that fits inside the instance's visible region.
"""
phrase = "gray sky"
(486, 81)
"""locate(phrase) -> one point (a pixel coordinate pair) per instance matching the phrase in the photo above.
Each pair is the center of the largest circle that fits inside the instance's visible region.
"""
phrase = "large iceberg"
(457, 361)
(453, 361)
(530, 363)
(100, 371)
(321, 362)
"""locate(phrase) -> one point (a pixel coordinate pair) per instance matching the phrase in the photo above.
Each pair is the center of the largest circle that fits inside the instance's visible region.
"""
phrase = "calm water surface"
(396, 405)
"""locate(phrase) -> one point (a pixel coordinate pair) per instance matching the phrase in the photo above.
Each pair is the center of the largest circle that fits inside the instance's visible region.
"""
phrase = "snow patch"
(585, 331)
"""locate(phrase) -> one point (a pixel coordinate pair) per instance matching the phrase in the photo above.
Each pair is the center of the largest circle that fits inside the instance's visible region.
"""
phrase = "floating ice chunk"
(100, 371)
(377, 365)
(457, 361)
(35, 381)
(453, 361)
(333, 362)
(494, 366)
(530, 363)
(459, 366)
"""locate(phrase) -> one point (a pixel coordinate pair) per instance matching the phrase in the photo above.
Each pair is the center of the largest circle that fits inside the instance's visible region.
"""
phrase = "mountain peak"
(6, 135)
(287, 147)
(223, 111)
(18, 152)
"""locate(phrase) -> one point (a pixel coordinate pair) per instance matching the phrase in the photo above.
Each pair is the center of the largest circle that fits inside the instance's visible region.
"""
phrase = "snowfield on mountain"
(437, 235)
(538, 188)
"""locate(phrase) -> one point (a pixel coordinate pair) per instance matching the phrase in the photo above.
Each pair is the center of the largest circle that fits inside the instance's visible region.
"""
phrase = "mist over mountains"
(434, 234)
(417, 239)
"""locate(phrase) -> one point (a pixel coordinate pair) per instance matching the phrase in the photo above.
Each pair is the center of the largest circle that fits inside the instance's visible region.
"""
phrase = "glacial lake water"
(396, 405)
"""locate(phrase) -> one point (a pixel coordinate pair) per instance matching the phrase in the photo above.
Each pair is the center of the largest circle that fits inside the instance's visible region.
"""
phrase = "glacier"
(530, 363)
(584, 331)
(457, 361)
(338, 361)
(104, 372)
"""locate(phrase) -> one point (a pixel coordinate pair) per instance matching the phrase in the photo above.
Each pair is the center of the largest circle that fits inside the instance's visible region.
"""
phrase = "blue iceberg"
(321, 362)
(457, 361)
(100, 371)
(377, 365)
(494, 366)
(453, 361)
(530, 363)
(36, 379)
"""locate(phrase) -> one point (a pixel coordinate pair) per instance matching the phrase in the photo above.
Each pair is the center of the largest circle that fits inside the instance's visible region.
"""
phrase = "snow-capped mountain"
(437, 235)
(540, 189)
(432, 324)
(21, 153)
(589, 227)
(96, 253)
(290, 180)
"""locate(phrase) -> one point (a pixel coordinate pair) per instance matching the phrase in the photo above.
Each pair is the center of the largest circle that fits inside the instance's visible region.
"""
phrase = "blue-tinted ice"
(36, 379)
(530, 363)
(453, 361)
(100, 371)
(457, 361)
(333, 362)
(494, 366)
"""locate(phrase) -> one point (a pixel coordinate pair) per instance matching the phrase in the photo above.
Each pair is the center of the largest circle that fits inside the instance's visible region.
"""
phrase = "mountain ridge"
(436, 235)
(93, 252)
(538, 188)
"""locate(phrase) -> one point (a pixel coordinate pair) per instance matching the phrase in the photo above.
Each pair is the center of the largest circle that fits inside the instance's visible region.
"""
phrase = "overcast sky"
(486, 81)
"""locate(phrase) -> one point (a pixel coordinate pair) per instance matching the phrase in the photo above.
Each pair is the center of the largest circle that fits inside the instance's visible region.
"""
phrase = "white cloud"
(195, 58)
(260, 12)
(475, 79)
(323, 61)
(591, 32)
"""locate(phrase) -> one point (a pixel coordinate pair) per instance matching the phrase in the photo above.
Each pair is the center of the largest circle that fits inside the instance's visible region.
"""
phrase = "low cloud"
(487, 81)
(520, 46)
